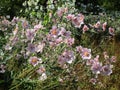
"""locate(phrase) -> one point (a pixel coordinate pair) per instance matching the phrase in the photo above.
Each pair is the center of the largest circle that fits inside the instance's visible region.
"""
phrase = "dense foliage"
(10, 7)
(55, 46)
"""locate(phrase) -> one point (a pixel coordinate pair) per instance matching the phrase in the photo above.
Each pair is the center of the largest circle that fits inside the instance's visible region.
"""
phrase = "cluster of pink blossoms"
(66, 57)
(41, 70)
(35, 48)
(98, 26)
(85, 53)
(57, 36)
(96, 66)
(30, 35)
(78, 21)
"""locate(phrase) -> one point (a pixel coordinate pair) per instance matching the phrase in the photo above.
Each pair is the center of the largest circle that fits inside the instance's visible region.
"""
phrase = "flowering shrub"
(47, 54)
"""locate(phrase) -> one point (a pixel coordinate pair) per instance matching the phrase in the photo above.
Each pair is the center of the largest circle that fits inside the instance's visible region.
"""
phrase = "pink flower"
(67, 56)
(41, 70)
(35, 61)
(85, 28)
(106, 70)
(69, 41)
(48, 37)
(67, 34)
(31, 47)
(52, 44)
(90, 62)
(61, 60)
(86, 53)
(97, 25)
(104, 26)
(79, 49)
(55, 41)
(62, 31)
(40, 47)
(38, 26)
(78, 20)
(70, 17)
(93, 61)
(96, 59)
(111, 31)
(60, 12)
(54, 31)
(81, 17)
(96, 68)
(30, 33)
(59, 40)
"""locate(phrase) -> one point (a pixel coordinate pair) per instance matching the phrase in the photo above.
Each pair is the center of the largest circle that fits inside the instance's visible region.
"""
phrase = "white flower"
(40, 47)
(35, 61)
(86, 53)
(43, 77)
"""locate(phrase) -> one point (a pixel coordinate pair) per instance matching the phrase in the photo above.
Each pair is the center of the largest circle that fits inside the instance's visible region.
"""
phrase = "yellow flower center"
(86, 54)
(34, 60)
(54, 32)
